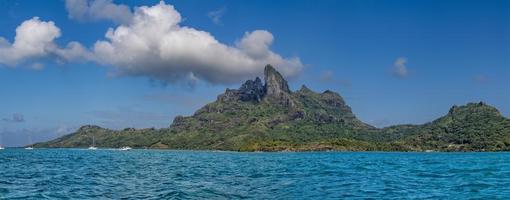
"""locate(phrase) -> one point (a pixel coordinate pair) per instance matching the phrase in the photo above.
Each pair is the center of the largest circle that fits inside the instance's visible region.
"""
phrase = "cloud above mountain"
(154, 44)
(151, 43)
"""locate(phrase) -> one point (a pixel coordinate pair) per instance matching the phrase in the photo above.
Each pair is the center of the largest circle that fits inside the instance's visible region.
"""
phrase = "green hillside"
(270, 117)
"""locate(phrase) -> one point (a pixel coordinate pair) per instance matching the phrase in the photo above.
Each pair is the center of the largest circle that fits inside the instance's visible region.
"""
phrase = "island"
(270, 117)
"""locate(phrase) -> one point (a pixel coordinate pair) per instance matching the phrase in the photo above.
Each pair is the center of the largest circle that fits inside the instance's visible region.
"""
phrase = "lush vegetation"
(473, 127)
(270, 117)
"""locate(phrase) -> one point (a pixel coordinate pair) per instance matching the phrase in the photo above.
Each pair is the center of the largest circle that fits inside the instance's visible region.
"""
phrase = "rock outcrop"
(251, 91)
(275, 89)
(275, 84)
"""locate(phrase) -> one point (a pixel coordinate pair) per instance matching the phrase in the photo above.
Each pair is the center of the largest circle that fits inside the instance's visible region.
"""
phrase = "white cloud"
(256, 44)
(74, 51)
(154, 44)
(34, 40)
(400, 67)
(216, 15)
(93, 10)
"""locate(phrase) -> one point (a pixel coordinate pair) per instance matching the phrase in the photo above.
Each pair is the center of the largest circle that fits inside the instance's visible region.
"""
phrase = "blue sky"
(393, 61)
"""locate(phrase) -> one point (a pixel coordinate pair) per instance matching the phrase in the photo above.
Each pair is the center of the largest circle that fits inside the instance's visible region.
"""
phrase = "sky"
(119, 64)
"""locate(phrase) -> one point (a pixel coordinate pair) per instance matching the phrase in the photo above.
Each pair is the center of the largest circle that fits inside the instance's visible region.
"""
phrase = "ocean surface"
(160, 174)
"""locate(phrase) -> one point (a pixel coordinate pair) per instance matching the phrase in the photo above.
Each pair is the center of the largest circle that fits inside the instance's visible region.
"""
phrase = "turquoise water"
(154, 174)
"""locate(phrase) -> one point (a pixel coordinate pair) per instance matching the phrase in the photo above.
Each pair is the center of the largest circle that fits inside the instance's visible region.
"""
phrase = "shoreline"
(284, 151)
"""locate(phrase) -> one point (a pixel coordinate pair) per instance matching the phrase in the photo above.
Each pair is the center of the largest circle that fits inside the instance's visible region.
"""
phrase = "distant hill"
(270, 117)
(473, 127)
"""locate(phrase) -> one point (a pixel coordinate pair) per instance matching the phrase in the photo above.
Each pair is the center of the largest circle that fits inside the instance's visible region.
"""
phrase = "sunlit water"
(154, 174)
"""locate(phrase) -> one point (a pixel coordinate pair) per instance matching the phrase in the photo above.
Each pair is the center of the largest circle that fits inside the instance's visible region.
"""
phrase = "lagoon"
(164, 174)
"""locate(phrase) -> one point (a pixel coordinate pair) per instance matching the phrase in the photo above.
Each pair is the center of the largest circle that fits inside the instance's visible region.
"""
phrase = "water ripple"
(153, 174)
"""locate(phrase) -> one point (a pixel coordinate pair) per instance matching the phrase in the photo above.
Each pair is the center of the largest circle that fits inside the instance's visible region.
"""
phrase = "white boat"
(30, 142)
(1, 147)
(93, 147)
(125, 149)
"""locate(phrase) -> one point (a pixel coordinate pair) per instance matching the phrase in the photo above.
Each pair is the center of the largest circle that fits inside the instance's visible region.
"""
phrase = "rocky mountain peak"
(275, 88)
(275, 83)
(251, 90)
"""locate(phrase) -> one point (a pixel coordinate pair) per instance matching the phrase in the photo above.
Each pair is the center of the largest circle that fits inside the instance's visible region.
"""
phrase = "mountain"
(270, 117)
(473, 127)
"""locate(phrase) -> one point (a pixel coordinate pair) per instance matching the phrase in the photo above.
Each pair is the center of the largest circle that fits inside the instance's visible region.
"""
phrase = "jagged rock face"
(250, 91)
(275, 84)
(228, 96)
(277, 89)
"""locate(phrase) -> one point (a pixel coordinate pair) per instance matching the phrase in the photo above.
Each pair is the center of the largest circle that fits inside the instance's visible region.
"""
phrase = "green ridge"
(270, 117)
